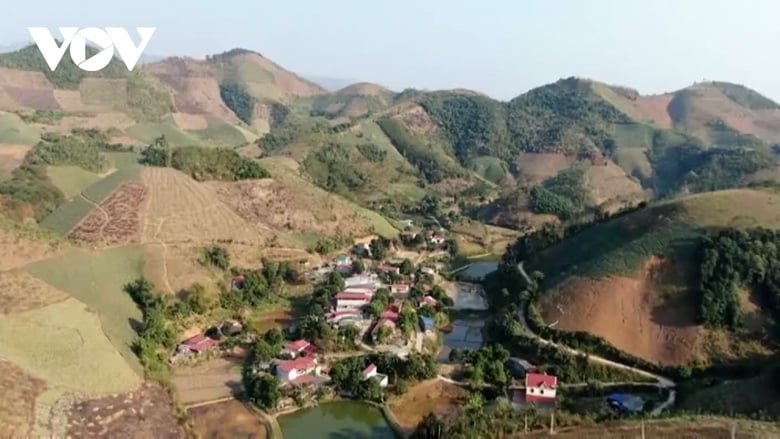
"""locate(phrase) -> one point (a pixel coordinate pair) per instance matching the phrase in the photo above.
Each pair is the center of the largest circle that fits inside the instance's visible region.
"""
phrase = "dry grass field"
(59, 343)
(537, 167)
(227, 420)
(20, 292)
(11, 156)
(207, 381)
(426, 397)
(17, 404)
(183, 211)
(610, 182)
(21, 245)
(147, 412)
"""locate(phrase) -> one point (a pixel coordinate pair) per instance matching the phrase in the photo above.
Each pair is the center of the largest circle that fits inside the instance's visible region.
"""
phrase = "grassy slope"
(14, 131)
(147, 132)
(621, 245)
(64, 344)
(97, 279)
(71, 179)
(69, 214)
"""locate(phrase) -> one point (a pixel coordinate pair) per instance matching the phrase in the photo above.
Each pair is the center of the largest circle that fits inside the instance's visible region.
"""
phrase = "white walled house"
(345, 301)
(292, 369)
(540, 387)
(371, 372)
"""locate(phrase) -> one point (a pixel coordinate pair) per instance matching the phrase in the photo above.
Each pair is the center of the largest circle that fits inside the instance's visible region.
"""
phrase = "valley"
(143, 214)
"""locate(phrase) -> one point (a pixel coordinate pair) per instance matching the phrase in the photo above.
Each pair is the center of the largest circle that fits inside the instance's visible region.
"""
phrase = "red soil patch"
(229, 419)
(655, 108)
(144, 413)
(632, 313)
(38, 98)
(117, 220)
(195, 85)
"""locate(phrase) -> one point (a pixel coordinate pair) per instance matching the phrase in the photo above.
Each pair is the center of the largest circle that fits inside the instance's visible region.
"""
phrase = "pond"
(337, 420)
(479, 270)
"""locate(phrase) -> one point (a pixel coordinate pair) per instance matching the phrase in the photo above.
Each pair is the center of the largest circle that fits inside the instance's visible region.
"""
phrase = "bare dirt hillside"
(652, 315)
(194, 84)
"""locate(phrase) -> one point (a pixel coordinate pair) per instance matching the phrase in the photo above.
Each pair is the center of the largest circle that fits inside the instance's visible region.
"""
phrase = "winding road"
(661, 381)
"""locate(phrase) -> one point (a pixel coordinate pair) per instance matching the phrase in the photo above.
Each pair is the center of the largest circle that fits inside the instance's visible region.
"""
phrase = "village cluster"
(301, 363)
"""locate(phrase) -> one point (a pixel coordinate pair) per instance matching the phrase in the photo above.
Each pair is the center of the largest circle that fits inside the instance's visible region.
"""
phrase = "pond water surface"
(337, 420)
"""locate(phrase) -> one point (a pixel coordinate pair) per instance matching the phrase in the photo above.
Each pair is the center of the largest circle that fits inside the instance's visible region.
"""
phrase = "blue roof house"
(427, 324)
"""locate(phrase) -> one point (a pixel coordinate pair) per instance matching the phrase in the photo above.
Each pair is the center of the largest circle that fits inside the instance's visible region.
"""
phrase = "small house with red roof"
(383, 322)
(197, 344)
(295, 348)
(390, 313)
(371, 372)
(346, 300)
(428, 301)
(291, 369)
(540, 388)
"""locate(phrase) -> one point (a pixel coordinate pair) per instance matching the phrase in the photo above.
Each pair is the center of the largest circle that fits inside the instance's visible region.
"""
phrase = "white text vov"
(105, 40)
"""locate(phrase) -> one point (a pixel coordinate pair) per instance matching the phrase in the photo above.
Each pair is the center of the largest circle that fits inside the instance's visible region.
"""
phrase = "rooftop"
(541, 380)
(297, 345)
(353, 296)
(297, 364)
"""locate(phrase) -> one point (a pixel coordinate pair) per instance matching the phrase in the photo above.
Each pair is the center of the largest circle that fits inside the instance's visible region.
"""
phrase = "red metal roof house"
(540, 388)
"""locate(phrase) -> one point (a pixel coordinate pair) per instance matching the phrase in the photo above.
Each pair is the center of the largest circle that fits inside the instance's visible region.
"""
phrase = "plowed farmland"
(117, 220)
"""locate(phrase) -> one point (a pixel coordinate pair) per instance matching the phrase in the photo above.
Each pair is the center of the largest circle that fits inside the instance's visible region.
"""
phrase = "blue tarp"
(427, 323)
(626, 402)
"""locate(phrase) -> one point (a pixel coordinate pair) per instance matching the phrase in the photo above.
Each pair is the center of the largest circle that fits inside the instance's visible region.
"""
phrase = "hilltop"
(564, 150)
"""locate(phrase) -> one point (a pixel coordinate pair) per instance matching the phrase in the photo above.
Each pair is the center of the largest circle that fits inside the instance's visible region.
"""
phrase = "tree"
(407, 267)
(431, 427)
(370, 390)
(383, 334)
(263, 351)
(197, 299)
(262, 390)
(217, 256)
(378, 249)
(358, 267)
(273, 337)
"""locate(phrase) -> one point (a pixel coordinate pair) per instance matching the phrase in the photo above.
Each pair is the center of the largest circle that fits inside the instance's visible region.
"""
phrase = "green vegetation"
(475, 125)
(746, 97)
(221, 133)
(146, 100)
(331, 167)
(148, 131)
(71, 180)
(336, 105)
(13, 131)
(82, 149)
(733, 260)
(97, 279)
(545, 201)
(433, 163)
(239, 100)
(563, 195)
(203, 163)
(217, 256)
(347, 374)
(372, 152)
(47, 117)
(67, 74)
(562, 117)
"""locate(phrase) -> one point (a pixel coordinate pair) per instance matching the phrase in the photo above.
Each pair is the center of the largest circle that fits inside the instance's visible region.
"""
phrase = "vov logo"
(106, 40)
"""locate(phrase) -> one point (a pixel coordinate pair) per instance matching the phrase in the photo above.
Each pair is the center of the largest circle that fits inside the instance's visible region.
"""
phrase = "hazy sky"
(500, 47)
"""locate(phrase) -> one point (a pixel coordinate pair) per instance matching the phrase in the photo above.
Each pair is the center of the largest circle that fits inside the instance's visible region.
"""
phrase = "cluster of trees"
(155, 337)
(332, 167)
(29, 187)
(203, 163)
(733, 260)
(217, 256)
(563, 195)
(67, 74)
(330, 244)
(434, 165)
(279, 116)
(48, 117)
(484, 365)
(261, 284)
(347, 373)
(372, 152)
(475, 125)
(239, 100)
(313, 325)
(565, 116)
